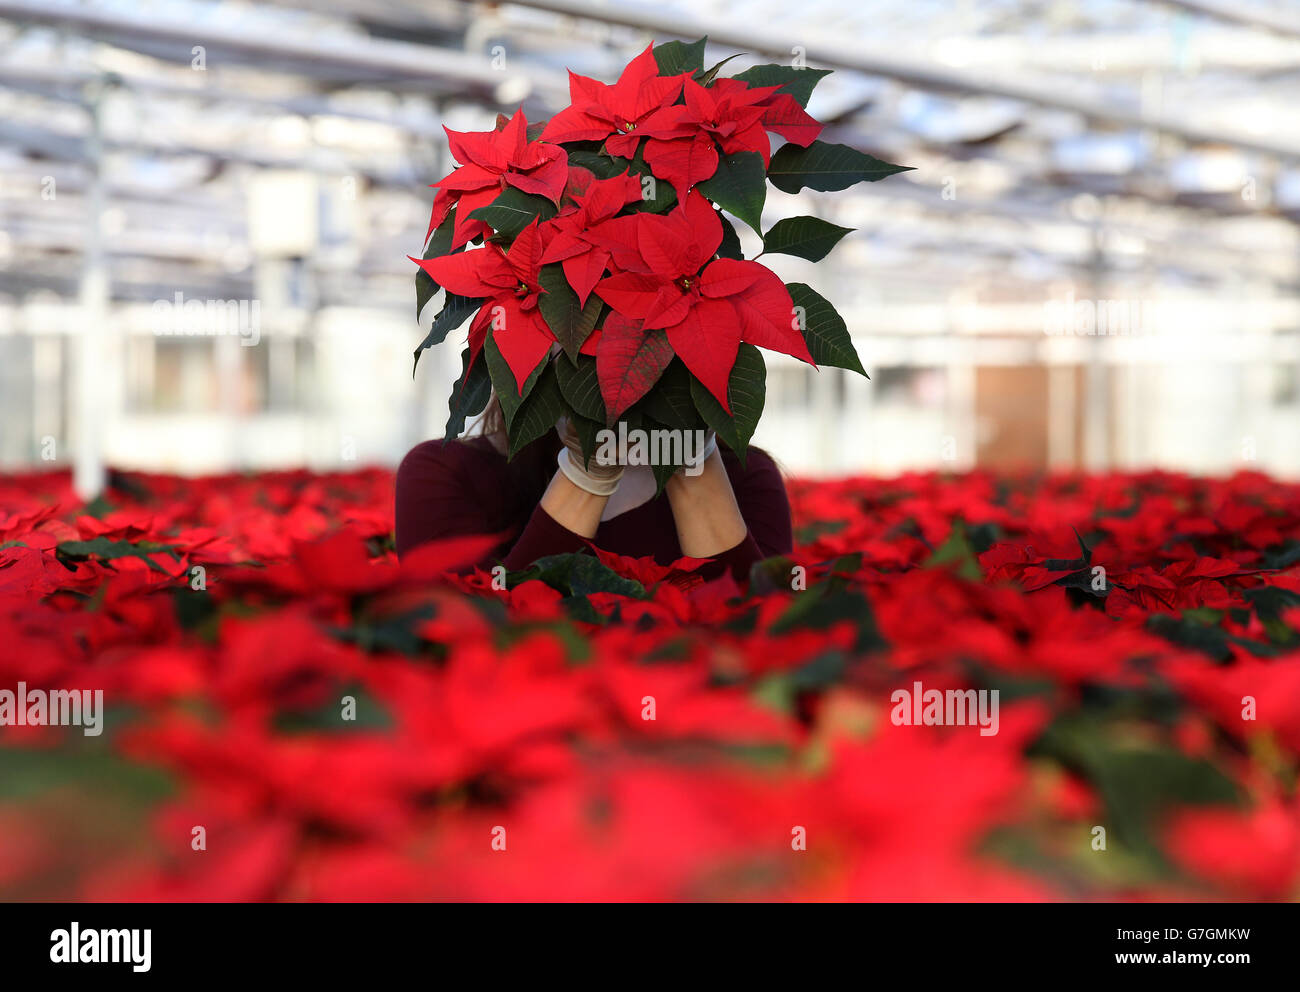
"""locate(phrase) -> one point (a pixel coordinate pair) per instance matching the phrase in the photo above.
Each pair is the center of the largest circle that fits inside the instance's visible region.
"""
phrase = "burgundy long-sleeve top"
(455, 488)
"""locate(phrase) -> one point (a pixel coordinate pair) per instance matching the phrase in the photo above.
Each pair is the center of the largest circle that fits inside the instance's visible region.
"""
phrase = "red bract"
(509, 282)
(348, 727)
(584, 262)
(493, 161)
(640, 104)
(781, 115)
(669, 281)
(731, 116)
(1266, 842)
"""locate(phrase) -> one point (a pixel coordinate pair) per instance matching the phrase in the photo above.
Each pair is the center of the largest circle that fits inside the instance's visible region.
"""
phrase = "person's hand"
(705, 511)
(595, 478)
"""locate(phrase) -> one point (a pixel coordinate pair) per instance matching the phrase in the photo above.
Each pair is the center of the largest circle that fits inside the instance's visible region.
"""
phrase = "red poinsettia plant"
(604, 276)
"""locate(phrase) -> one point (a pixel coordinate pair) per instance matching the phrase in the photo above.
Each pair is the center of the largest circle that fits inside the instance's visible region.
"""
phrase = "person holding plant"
(545, 502)
(608, 287)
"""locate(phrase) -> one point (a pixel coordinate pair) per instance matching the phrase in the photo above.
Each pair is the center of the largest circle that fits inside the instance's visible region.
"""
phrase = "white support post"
(89, 473)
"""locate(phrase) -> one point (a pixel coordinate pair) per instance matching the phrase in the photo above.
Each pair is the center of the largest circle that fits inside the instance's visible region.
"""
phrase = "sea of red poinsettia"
(1142, 631)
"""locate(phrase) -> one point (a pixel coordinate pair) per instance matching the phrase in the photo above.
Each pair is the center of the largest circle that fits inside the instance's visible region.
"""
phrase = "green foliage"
(454, 312)
(569, 321)
(824, 330)
(825, 167)
(957, 553)
(108, 549)
(510, 394)
(799, 82)
(739, 186)
(514, 210)
(538, 412)
(804, 237)
(469, 396)
(580, 387)
(439, 245)
(578, 574)
(746, 391)
(677, 57)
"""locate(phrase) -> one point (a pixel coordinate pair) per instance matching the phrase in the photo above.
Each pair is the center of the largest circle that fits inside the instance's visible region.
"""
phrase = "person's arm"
(705, 511)
(573, 508)
(735, 515)
(564, 521)
(570, 510)
(447, 489)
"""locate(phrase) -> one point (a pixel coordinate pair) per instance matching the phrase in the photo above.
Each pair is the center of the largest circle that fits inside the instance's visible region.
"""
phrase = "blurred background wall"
(206, 208)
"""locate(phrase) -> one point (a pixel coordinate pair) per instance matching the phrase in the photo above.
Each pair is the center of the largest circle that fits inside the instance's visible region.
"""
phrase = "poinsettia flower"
(509, 284)
(706, 307)
(1265, 842)
(584, 262)
(492, 161)
(782, 113)
(729, 115)
(641, 103)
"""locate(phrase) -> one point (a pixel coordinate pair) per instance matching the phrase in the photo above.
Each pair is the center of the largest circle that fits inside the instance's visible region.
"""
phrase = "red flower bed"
(342, 726)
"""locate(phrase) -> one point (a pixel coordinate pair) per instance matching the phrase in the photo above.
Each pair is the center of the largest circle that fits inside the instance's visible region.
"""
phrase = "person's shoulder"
(759, 476)
(764, 502)
(439, 456)
(758, 463)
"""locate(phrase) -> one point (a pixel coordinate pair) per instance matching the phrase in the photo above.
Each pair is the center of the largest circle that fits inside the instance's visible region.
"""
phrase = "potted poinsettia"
(596, 257)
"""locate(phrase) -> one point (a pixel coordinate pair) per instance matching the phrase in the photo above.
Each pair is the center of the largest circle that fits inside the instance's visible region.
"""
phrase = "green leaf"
(439, 245)
(514, 210)
(824, 330)
(586, 429)
(82, 772)
(956, 550)
(425, 288)
(739, 186)
(665, 197)
(539, 411)
(1209, 639)
(578, 574)
(677, 57)
(805, 237)
(707, 78)
(580, 386)
(371, 716)
(570, 322)
(440, 240)
(503, 380)
(745, 391)
(771, 575)
(103, 547)
(662, 469)
(453, 313)
(601, 165)
(670, 401)
(1283, 555)
(822, 166)
(730, 246)
(469, 397)
(662, 473)
(1140, 782)
(796, 81)
(829, 602)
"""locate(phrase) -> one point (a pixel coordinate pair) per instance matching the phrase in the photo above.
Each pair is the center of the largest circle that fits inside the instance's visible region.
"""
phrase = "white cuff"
(694, 466)
(576, 474)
